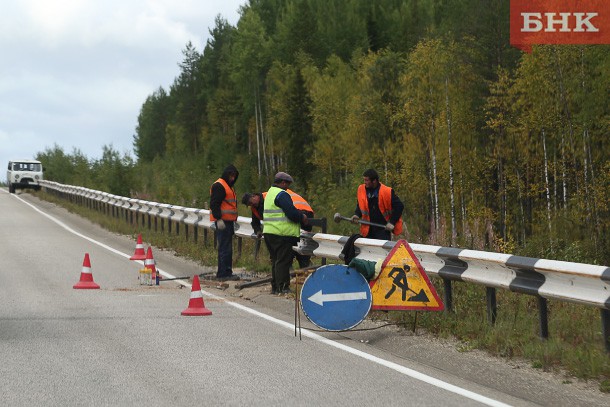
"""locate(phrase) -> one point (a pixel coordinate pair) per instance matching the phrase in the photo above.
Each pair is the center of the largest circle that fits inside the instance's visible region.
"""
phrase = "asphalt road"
(127, 344)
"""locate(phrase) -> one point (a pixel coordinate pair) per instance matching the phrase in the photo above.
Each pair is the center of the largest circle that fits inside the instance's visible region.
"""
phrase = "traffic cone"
(196, 306)
(149, 262)
(139, 253)
(86, 278)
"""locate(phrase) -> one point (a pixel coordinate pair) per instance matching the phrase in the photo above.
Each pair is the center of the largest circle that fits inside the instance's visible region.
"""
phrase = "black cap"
(282, 176)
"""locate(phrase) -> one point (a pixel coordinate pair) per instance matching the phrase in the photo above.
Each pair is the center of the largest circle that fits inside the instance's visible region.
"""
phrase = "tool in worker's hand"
(338, 218)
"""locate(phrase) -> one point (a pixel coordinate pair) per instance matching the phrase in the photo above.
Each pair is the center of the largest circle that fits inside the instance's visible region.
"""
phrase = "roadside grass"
(575, 346)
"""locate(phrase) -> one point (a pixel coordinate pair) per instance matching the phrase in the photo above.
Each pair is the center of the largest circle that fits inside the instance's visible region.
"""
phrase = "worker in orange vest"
(256, 201)
(378, 203)
(223, 212)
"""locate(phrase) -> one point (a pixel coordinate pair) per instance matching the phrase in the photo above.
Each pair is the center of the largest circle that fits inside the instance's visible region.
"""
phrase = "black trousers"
(378, 233)
(224, 242)
(281, 253)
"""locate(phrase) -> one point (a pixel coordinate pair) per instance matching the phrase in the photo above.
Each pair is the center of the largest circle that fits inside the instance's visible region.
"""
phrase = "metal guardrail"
(546, 279)
(559, 280)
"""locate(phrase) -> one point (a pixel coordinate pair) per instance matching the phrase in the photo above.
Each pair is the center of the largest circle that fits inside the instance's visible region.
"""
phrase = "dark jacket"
(256, 222)
(284, 202)
(217, 193)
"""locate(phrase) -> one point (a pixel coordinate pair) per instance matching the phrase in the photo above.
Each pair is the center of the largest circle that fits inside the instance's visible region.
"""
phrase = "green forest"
(489, 148)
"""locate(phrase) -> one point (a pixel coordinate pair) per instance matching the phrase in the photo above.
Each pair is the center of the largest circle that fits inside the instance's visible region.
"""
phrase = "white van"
(23, 174)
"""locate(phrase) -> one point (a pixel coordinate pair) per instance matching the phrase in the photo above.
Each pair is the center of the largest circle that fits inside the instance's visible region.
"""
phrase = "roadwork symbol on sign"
(403, 283)
(336, 297)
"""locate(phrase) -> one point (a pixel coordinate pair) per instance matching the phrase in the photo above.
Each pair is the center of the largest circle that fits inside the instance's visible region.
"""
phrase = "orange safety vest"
(297, 200)
(385, 206)
(228, 206)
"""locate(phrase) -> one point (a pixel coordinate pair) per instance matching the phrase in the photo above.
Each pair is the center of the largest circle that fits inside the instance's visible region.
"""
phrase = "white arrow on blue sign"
(336, 297)
(320, 297)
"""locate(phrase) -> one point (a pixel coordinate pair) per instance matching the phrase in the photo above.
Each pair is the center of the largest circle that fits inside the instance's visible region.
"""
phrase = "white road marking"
(390, 365)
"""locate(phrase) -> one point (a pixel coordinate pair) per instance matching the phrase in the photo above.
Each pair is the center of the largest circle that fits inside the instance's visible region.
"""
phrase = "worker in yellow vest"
(256, 201)
(282, 230)
(378, 203)
(223, 212)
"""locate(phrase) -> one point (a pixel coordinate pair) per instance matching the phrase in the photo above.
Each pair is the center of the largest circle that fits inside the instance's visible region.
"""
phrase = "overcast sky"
(76, 72)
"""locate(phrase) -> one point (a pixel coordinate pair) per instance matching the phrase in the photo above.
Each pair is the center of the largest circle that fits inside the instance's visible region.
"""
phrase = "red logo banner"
(559, 22)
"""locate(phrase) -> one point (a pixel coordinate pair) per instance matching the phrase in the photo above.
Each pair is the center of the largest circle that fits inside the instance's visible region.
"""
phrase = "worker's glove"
(389, 227)
(220, 224)
(355, 219)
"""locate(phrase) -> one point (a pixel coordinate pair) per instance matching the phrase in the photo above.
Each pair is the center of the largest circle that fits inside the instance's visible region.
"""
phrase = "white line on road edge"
(391, 365)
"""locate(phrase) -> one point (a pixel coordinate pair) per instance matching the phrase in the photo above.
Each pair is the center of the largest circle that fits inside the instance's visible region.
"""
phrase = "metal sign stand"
(300, 276)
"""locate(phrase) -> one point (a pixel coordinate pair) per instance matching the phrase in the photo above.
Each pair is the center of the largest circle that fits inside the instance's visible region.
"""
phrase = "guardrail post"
(321, 223)
(448, 295)
(324, 225)
(492, 307)
(239, 242)
(606, 328)
(257, 246)
(544, 318)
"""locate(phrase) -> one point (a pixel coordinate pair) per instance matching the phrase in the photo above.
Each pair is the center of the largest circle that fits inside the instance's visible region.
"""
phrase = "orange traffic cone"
(196, 306)
(86, 278)
(139, 253)
(149, 262)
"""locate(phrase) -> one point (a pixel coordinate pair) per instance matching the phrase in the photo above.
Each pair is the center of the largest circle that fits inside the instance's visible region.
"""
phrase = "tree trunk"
(265, 141)
(433, 159)
(463, 206)
(451, 182)
(432, 207)
(546, 184)
(258, 142)
(568, 117)
(563, 172)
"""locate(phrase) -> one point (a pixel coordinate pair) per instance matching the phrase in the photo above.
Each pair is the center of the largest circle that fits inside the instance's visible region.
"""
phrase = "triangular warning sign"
(403, 284)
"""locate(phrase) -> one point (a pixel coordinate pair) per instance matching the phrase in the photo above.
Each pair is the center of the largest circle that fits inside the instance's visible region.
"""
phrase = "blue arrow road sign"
(336, 297)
